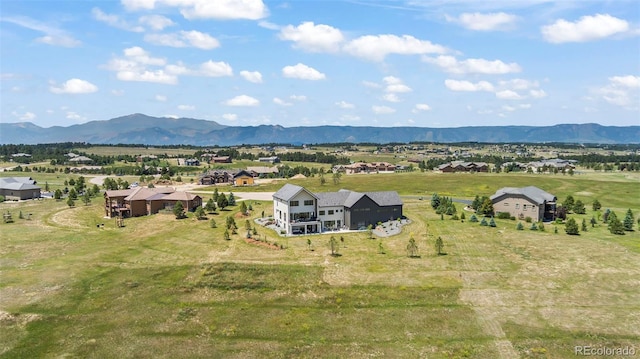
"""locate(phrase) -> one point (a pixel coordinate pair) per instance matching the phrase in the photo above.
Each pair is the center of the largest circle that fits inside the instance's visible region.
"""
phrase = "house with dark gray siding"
(300, 211)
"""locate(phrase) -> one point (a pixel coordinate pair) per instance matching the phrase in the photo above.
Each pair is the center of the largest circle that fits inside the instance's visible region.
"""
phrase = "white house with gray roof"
(300, 211)
(525, 202)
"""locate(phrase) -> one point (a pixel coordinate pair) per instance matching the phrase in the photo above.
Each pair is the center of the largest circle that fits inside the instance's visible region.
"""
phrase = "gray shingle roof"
(18, 183)
(289, 190)
(533, 193)
(349, 198)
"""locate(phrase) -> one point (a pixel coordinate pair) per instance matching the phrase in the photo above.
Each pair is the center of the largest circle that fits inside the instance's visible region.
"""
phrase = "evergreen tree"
(492, 222)
(486, 208)
(541, 227)
(215, 195)
(571, 227)
(476, 203)
(605, 216)
(593, 221)
(200, 213)
(178, 210)
(73, 194)
(227, 237)
(232, 199)
(86, 199)
(222, 201)
(70, 202)
(484, 222)
(46, 186)
(473, 218)
(579, 208)
(628, 221)
(568, 203)
(435, 201)
(596, 205)
(534, 226)
(615, 226)
(57, 194)
(243, 207)
(210, 206)
(520, 226)
(583, 227)
(213, 223)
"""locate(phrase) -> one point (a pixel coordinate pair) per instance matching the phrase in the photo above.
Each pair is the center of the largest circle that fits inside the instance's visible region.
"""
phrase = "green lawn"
(167, 288)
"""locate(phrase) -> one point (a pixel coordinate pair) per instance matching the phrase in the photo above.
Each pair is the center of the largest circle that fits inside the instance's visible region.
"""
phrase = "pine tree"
(593, 221)
(628, 221)
(596, 205)
(484, 222)
(568, 203)
(520, 226)
(534, 226)
(583, 227)
(473, 218)
(200, 214)
(439, 245)
(579, 208)
(232, 199)
(412, 248)
(178, 210)
(492, 222)
(571, 227)
(435, 201)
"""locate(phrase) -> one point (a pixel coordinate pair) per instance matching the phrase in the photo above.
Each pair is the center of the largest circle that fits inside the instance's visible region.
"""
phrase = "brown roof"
(180, 196)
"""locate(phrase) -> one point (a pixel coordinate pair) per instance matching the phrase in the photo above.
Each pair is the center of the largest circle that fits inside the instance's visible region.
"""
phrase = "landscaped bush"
(520, 226)
(528, 219)
(484, 222)
(473, 218)
(1, 199)
(503, 215)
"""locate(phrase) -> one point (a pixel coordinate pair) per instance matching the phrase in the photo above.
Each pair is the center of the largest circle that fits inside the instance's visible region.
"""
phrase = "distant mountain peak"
(138, 128)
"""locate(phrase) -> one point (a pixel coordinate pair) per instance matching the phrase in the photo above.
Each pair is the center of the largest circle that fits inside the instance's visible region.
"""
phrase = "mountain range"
(148, 130)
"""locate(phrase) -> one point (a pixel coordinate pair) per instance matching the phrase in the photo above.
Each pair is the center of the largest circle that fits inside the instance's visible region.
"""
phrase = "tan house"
(141, 201)
(243, 178)
(525, 202)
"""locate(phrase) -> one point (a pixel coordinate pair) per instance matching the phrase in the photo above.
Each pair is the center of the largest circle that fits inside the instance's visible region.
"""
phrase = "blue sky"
(306, 63)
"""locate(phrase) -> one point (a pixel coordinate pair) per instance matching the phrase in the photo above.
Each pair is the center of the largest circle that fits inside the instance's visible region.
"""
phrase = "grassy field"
(167, 288)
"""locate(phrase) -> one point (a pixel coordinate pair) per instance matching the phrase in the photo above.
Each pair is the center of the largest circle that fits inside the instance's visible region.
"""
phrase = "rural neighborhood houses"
(19, 188)
(525, 202)
(461, 166)
(297, 210)
(141, 201)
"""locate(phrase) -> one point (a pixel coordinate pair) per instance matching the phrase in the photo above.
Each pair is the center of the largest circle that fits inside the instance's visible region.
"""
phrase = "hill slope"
(143, 129)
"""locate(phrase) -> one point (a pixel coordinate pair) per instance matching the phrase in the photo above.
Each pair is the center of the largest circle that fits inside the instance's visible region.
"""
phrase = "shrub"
(541, 227)
(473, 218)
(520, 227)
(492, 222)
(533, 227)
(2, 199)
(528, 219)
(503, 215)
(484, 222)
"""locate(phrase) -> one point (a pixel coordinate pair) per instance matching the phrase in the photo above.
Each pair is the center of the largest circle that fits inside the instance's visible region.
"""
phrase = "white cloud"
(281, 102)
(216, 69)
(193, 38)
(313, 38)
(268, 25)
(242, 101)
(523, 106)
(345, 105)
(629, 81)
(74, 86)
(72, 115)
(114, 21)
(371, 84)
(476, 66)
(206, 9)
(161, 98)
(376, 48)
(299, 98)
(382, 110)
(519, 84)
(252, 76)
(508, 95)
(117, 92)
(303, 72)
(587, 28)
(537, 93)
(391, 97)
(622, 91)
(398, 88)
(485, 22)
(52, 35)
(461, 85)
(186, 107)
(230, 116)
(156, 22)
(421, 107)
(27, 116)
(138, 65)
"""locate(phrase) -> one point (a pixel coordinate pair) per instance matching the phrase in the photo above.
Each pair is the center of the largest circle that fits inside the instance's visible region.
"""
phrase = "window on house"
(322, 213)
(517, 205)
(506, 204)
(294, 203)
(308, 202)
(524, 207)
(330, 211)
